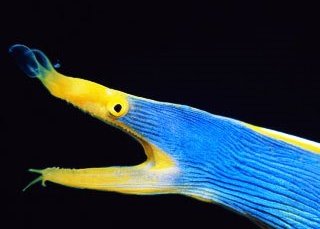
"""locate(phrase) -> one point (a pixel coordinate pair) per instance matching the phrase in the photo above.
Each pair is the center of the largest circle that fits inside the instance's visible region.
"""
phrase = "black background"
(256, 63)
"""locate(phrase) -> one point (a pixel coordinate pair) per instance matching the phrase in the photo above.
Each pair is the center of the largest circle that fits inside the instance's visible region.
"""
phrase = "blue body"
(219, 159)
(224, 161)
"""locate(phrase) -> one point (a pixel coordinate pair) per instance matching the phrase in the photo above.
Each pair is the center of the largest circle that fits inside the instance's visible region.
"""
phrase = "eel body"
(263, 174)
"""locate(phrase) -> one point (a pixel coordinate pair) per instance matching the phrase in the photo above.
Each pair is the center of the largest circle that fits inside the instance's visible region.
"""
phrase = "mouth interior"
(147, 148)
(36, 65)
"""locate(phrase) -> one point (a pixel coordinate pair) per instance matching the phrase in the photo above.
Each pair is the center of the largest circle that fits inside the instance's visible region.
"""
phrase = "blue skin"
(225, 162)
(221, 159)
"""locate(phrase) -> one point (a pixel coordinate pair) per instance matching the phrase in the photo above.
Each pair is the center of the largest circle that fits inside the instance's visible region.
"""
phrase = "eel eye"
(118, 108)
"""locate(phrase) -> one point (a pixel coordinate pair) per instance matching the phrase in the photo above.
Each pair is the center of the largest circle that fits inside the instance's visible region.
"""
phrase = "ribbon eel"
(269, 176)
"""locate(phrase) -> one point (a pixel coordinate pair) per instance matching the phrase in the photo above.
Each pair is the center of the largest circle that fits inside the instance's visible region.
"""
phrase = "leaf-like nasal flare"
(86, 95)
(33, 62)
(156, 175)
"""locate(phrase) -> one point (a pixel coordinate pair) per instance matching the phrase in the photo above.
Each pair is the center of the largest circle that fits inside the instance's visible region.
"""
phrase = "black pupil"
(117, 108)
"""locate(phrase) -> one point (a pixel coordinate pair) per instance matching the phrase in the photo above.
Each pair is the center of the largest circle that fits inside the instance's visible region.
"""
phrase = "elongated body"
(263, 174)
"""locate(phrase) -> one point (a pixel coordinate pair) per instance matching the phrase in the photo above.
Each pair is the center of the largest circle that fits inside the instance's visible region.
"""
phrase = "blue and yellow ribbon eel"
(263, 174)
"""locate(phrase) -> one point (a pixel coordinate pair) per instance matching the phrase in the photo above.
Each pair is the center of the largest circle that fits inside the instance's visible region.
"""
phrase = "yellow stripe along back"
(293, 140)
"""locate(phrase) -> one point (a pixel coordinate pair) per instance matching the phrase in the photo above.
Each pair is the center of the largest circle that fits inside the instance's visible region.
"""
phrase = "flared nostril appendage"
(25, 59)
(31, 61)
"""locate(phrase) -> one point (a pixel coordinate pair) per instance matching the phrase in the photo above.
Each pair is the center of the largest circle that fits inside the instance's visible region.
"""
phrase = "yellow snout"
(101, 102)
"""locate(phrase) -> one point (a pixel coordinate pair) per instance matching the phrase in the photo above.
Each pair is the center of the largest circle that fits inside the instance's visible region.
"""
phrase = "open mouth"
(155, 175)
(146, 159)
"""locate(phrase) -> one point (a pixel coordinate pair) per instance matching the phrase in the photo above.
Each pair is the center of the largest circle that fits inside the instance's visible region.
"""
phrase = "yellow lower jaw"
(154, 176)
(132, 180)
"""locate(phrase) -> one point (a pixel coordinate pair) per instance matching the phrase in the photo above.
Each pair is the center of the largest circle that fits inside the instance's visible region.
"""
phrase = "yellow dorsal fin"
(293, 140)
